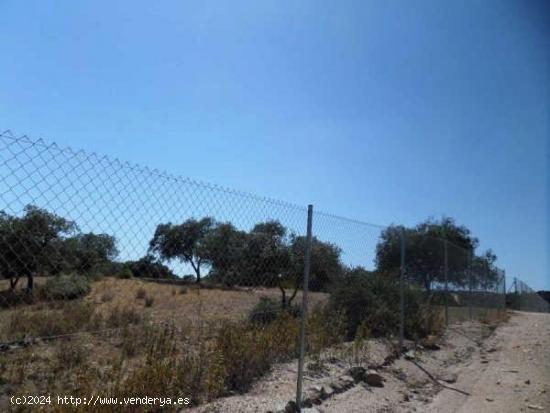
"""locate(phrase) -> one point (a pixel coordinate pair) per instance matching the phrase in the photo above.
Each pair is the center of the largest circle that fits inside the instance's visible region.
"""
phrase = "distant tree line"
(42, 243)
(267, 255)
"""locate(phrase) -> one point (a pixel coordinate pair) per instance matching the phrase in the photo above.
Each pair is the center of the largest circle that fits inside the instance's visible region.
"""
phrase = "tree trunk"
(427, 285)
(429, 315)
(198, 272)
(283, 297)
(293, 295)
(13, 283)
(30, 283)
(284, 302)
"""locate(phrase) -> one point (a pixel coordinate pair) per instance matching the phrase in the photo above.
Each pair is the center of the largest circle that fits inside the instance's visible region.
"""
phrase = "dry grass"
(38, 281)
(141, 293)
(460, 314)
(110, 297)
(43, 320)
(171, 304)
(195, 343)
(494, 316)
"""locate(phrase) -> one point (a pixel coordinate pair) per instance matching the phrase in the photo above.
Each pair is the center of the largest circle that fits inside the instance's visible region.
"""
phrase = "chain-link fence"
(523, 298)
(101, 262)
(130, 280)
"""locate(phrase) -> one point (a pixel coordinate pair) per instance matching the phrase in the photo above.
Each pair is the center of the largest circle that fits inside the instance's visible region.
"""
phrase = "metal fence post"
(303, 324)
(402, 292)
(446, 272)
(470, 288)
(504, 288)
(517, 303)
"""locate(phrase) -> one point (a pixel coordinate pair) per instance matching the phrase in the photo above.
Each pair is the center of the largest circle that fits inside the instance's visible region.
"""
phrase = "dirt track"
(515, 377)
(507, 370)
(476, 369)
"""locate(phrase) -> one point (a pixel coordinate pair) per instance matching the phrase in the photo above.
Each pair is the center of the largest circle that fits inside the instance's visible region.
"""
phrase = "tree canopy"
(425, 254)
(267, 255)
(185, 242)
(326, 266)
(42, 243)
(88, 251)
(149, 267)
(31, 244)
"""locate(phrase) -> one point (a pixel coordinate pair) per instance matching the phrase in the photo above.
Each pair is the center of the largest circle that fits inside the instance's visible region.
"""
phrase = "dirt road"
(511, 373)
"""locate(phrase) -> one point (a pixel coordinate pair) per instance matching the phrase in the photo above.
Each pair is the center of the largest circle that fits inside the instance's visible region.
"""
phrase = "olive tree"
(31, 244)
(186, 242)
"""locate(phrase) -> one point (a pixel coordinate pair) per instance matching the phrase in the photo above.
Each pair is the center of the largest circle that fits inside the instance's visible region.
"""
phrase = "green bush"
(66, 287)
(189, 278)
(125, 273)
(268, 310)
(373, 300)
(10, 298)
(149, 267)
(265, 311)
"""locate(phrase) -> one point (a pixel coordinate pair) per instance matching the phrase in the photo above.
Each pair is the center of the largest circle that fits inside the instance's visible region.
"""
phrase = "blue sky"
(388, 112)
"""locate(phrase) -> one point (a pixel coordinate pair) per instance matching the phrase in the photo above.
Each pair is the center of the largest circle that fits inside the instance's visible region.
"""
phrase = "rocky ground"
(473, 367)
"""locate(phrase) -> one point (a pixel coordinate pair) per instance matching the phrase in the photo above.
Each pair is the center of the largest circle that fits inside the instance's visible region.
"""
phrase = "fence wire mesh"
(132, 280)
(523, 298)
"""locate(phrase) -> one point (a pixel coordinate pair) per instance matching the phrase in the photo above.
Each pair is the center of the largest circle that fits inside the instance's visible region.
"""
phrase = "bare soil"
(515, 376)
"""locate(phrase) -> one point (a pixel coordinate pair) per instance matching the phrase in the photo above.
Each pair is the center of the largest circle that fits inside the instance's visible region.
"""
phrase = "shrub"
(148, 267)
(357, 354)
(136, 338)
(122, 317)
(373, 300)
(268, 310)
(420, 319)
(10, 298)
(66, 287)
(69, 355)
(183, 290)
(189, 278)
(107, 297)
(324, 328)
(249, 350)
(141, 293)
(70, 318)
(169, 369)
(149, 301)
(265, 311)
(125, 273)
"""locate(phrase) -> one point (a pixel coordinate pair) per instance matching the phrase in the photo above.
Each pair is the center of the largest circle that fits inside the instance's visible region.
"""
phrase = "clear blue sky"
(388, 112)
